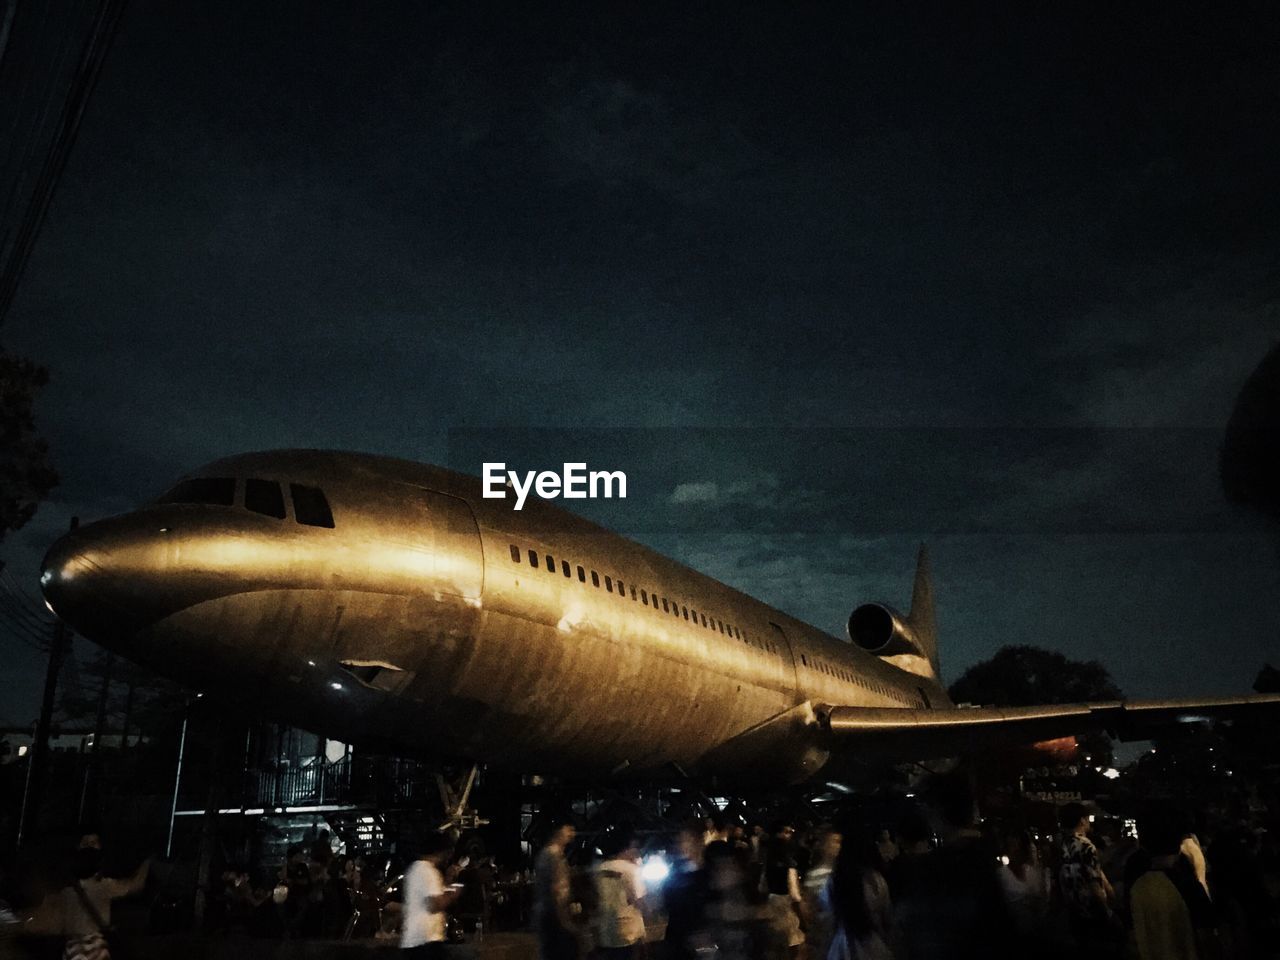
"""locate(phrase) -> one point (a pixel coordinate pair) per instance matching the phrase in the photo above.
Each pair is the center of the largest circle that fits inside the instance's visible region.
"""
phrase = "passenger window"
(216, 491)
(310, 506)
(551, 564)
(633, 591)
(264, 496)
(582, 574)
(564, 568)
(595, 579)
(533, 560)
(515, 554)
(608, 584)
(704, 619)
(622, 589)
(644, 598)
(685, 612)
(664, 604)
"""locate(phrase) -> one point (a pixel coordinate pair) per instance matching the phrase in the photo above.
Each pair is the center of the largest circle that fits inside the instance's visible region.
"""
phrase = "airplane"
(389, 603)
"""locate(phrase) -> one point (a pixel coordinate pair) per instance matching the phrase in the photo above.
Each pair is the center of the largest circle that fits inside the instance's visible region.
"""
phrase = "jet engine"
(881, 630)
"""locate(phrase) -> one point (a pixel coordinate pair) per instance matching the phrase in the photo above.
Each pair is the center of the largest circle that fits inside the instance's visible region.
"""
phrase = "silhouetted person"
(1022, 880)
(684, 896)
(728, 910)
(951, 906)
(86, 904)
(782, 884)
(815, 886)
(859, 898)
(552, 920)
(1162, 927)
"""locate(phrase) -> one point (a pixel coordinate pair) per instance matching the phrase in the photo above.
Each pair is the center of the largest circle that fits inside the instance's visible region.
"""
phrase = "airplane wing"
(930, 734)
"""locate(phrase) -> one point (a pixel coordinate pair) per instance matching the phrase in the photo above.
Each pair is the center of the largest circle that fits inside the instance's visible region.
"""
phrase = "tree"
(26, 475)
(1022, 676)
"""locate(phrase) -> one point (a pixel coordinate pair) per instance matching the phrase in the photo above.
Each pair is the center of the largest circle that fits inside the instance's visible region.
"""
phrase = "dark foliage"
(1019, 676)
(26, 475)
(1250, 462)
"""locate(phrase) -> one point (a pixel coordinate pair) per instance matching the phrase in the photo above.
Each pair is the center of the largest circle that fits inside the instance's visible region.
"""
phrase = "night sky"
(824, 283)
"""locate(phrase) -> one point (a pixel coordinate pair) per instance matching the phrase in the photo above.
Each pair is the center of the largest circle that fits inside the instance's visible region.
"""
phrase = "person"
(1085, 889)
(684, 896)
(86, 903)
(859, 898)
(1022, 882)
(296, 878)
(946, 901)
(620, 891)
(886, 846)
(716, 828)
(820, 924)
(426, 898)
(1190, 849)
(782, 883)
(1162, 928)
(727, 909)
(552, 919)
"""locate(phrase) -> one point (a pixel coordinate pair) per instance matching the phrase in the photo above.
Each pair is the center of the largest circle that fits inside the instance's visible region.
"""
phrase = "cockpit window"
(264, 496)
(310, 506)
(219, 491)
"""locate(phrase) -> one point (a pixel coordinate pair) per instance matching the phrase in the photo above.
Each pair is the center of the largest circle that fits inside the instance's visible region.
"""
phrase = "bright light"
(1111, 773)
(1004, 860)
(22, 750)
(311, 663)
(655, 870)
(336, 685)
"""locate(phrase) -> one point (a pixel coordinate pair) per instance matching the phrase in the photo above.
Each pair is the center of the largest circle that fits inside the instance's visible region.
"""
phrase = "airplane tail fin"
(923, 621)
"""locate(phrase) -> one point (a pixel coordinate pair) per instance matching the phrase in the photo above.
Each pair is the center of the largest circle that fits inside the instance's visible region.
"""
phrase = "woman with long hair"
(860, 904)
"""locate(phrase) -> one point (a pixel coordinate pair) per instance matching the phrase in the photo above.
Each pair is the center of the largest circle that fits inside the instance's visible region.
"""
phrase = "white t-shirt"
(421, 925)
(619, 888)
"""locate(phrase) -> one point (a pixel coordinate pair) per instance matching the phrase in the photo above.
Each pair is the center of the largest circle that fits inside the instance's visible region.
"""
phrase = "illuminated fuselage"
(431, 620)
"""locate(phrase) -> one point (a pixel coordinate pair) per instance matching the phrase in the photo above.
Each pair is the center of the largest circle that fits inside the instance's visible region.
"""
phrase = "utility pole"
(93, 769)
(40, 746)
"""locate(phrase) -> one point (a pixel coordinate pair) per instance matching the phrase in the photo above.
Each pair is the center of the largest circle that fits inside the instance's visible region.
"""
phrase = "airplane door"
(789, 656)
(444, 528)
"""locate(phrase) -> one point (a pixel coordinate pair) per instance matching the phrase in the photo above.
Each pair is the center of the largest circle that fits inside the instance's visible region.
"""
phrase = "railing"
(351, 780)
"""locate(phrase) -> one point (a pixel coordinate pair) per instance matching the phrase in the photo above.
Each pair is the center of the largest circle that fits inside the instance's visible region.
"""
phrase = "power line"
(91, 60)
(40, 115)
(23, 632)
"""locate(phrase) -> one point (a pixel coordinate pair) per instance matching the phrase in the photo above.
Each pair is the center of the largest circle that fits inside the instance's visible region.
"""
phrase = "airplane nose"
(86, 584)
(65, 573)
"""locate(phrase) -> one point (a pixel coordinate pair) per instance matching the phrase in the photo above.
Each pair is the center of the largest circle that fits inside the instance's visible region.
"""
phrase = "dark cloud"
(823, 282)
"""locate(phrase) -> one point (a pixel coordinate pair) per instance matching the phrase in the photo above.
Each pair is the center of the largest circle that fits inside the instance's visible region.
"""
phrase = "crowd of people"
(315, 893)
(945, 887)
(936, 884)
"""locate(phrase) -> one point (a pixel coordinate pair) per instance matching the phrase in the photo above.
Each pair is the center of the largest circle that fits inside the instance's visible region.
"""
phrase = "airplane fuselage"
(429, 619)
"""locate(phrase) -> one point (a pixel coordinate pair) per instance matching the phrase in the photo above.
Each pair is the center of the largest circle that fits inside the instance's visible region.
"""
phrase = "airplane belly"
(346, 663)
(573, 701)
